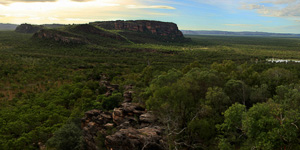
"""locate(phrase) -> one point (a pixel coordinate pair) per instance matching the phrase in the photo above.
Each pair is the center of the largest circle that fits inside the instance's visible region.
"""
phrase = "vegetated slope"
(79, 34)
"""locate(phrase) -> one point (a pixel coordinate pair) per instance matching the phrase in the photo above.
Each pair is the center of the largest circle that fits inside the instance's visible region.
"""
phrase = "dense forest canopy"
(214, 92)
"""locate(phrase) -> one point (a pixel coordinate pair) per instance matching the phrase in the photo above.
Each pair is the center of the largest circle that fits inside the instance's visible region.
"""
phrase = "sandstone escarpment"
(163, 29)
(128, 127)
(28, 28)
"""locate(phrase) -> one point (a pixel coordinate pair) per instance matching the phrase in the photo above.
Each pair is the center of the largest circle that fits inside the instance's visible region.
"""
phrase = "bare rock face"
(165, 29)
(94, 122)
(128, 94)
(28, 28)
(147, 138)
(134, 127)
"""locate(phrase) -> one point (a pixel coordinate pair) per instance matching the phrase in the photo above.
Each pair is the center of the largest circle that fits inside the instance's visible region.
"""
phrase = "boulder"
(148, 118)
(148, 138)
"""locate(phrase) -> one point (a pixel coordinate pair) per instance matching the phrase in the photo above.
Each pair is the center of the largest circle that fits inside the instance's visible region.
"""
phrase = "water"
(276, 60)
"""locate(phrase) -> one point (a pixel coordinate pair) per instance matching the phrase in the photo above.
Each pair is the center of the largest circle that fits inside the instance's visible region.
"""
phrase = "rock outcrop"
(165, 29)
(28, 28)
(128, 127)
(110, 88)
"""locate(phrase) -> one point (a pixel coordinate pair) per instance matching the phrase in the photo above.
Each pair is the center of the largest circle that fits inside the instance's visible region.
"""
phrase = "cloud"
(252, 6)
(6, 2)
(82, 0)
(149, 7)
(279, 1)
(242, 25)
(275, 8)
(159, 14)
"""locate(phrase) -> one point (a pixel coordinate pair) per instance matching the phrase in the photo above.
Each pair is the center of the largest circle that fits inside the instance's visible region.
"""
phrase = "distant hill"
(245, 33)
(7, 26)
(29, 28)
(109, 32)
(144, 31)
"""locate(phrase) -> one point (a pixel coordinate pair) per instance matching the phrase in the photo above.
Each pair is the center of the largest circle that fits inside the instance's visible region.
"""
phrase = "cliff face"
(28, 28)
(165, 29)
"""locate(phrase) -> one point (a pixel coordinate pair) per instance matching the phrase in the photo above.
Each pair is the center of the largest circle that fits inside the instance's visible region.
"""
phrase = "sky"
(280, 16)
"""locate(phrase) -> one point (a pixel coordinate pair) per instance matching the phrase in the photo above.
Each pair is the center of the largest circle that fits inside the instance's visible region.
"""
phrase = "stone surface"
(147, 138)
(148, 117)
(133, 128)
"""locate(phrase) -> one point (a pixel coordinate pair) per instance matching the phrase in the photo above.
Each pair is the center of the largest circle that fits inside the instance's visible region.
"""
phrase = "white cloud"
(252, 6)
(159, 14)
(275, 8)
(149, 7)
(242, 25)
(279, 1)
(6, 2)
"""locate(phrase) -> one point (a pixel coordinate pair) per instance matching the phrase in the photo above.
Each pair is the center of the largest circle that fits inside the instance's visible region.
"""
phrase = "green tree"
(274, 77)
(238, 91)
(68, 137)
(259, 94)
(217, 99)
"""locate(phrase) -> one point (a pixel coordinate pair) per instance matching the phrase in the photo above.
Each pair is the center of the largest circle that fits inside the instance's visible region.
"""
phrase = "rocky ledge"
(128, 127)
